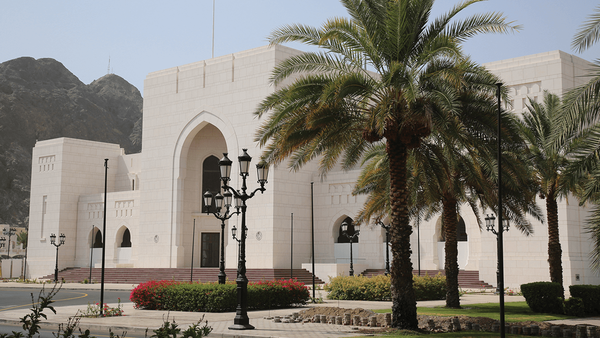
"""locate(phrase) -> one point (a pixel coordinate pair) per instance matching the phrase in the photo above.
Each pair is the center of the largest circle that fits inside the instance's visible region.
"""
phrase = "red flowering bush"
(277, 294)
(211, 297)
(150, 295)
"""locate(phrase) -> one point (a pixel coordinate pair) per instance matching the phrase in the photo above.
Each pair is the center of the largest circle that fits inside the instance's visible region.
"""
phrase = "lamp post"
(387, 246)
(10, 232)
(490, 226)
(241, 320)
(220, 201)
(351, 237)
(57, 245)
(500, 213)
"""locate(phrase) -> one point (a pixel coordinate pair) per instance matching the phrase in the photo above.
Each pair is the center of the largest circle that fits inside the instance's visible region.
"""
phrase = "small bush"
(378, 287)
(430, 287)
(544, 297)
(590, 295)
(211, 297)
(574, 307)
(359, 288)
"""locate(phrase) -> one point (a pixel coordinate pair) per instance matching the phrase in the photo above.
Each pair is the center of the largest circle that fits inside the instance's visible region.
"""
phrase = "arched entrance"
(198, 172)
(462, 242)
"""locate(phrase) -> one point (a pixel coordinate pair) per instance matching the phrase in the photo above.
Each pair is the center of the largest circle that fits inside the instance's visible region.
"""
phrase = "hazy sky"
(145, 36)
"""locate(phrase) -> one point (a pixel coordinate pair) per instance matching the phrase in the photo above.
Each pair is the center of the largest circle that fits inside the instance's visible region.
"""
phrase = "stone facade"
(195, 113)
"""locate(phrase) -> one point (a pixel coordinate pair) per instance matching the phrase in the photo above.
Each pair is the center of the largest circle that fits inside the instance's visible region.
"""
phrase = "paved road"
(17, 298)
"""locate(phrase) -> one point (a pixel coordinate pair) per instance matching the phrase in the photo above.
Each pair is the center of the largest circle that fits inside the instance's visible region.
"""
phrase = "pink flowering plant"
(212, 297)
(95, 310)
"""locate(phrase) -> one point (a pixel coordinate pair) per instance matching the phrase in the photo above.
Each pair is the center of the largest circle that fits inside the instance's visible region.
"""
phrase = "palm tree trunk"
(450, 219)
(404, 303)
(554, 250)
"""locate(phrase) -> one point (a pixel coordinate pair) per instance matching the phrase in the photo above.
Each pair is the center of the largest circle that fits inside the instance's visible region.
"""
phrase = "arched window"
(126, 243)
(461, 230)
(211, 179)
(98, 239)
(341, 237)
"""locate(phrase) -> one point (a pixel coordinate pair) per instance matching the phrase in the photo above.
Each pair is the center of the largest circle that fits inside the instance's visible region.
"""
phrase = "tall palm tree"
(455, 165)
(549, 157)
(580, 121)
(337, 107)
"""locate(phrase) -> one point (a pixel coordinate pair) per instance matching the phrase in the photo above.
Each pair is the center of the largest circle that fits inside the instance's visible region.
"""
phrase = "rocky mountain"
(41, 99)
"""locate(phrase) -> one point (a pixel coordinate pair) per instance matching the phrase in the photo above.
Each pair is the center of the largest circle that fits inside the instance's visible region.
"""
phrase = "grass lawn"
(513, 312)
(462, 334)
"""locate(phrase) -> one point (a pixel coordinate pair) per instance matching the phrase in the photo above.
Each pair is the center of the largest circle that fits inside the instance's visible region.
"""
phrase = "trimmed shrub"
(378, 287)
(430, 287)
(544, 297)
(574, 307)
(359, 288)
(212, 297)
(590, 294)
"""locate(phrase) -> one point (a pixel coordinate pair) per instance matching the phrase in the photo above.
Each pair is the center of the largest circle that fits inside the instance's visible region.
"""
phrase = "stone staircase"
(141, 275)
(467, 279)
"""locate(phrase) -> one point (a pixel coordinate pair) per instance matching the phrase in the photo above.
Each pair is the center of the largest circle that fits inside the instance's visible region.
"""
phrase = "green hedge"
(378, 287)
(211, 297)
(544, 297)
(590, 294)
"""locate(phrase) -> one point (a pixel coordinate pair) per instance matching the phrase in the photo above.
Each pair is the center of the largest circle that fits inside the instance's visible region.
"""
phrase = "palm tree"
(337, 106)
(548, 156)
(579, 120)
(22, 239)
(455, 165)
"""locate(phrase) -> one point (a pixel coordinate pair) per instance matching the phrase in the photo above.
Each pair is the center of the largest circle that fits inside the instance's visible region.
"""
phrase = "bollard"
(388, 319)
(456, 324)
(373, 321)
(581, 331)
(346, 320)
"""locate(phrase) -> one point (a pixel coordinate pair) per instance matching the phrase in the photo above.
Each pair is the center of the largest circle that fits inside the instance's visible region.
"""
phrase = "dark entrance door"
(210, 250)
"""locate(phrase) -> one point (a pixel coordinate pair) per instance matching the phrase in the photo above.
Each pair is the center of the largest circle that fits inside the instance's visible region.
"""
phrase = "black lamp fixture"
(241, 320)
(57, 245)
(387, 246)
(351, 238)
(221, 201)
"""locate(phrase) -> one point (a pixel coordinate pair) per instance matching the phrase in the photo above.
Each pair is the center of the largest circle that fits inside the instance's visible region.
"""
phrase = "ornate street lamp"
(220, 201)
(241, 320)
(387, 246)
(53, 242)
(351, 237)
(490, 226)
(10, 232)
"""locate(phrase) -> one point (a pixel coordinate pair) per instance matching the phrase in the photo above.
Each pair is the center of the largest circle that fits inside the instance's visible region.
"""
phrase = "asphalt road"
(15, 298)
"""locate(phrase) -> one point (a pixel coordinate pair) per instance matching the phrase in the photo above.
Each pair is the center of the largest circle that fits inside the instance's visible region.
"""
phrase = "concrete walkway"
(137, 321)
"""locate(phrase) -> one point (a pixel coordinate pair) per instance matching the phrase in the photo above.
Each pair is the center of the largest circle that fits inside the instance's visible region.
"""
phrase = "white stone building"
(195, 113)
